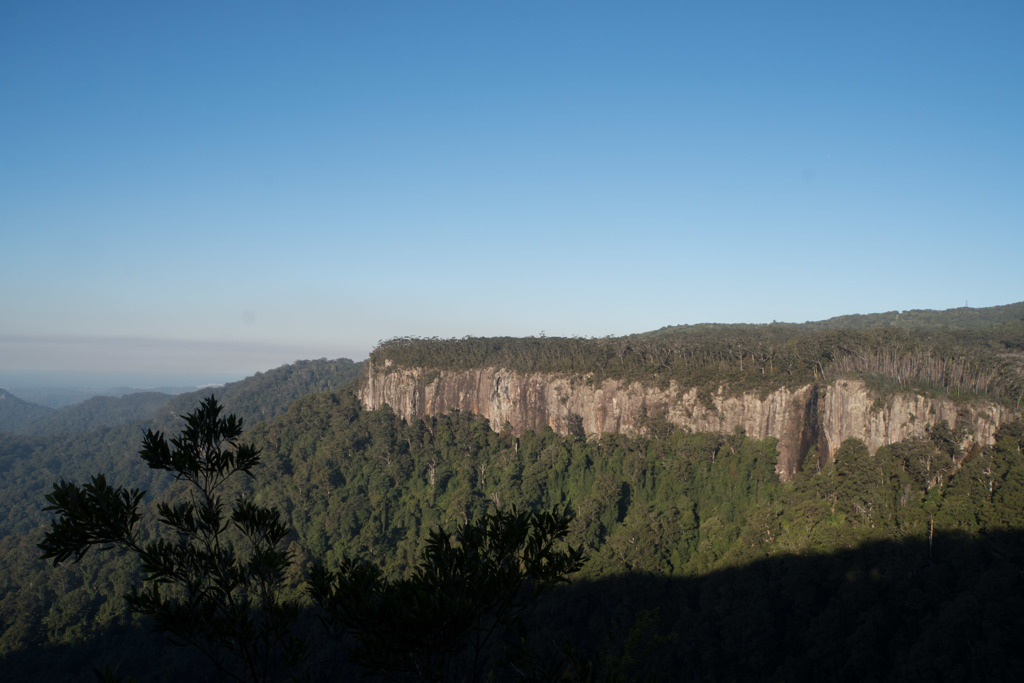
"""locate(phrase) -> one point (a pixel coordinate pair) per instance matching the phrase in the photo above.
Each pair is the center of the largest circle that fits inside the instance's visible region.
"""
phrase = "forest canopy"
(676, 525)
(903, 564)
(960, 354)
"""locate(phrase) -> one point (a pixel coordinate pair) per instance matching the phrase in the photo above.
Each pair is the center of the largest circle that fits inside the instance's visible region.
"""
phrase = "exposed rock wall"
(822, 415)
(849, 410)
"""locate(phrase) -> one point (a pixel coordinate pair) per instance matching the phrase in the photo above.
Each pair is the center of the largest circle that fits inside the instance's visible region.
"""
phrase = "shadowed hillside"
(885, 611)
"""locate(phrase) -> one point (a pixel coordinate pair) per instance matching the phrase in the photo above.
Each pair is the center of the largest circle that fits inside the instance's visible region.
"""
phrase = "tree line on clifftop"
(952, 353)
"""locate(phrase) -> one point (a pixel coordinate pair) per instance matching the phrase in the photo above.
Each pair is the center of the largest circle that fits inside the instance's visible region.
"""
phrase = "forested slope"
(689, 535)
(101, 411)
(904, 564)
(263, 396)
(65, 605)
(16, 414)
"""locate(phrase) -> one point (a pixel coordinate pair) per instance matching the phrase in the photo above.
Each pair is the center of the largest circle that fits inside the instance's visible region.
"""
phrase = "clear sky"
(207, 189)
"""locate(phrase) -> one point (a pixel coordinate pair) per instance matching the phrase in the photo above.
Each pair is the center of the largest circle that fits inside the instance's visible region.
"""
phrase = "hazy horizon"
(14, 381)
(97, 362)
(177, 372)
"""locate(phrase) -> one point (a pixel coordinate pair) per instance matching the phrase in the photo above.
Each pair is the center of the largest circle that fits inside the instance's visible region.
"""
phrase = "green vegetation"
(470, 586)
(100, 411)
(266, 395)
(963, 353)
(213, 580)
(904, 564)
(953, 319)
(263, 396)
(16, 414)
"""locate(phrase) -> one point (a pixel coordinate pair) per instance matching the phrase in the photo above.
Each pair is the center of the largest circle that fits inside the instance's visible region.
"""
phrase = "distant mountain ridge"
(262, 396)
(61, 397)
(101, 411)
(16, 413)
(266, 395)
(919, 319)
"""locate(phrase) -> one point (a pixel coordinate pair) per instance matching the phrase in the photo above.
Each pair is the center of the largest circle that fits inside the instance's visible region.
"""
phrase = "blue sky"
(201, 190)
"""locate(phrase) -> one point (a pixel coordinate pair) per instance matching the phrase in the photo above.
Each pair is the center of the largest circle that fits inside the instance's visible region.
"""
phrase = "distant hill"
(952, 319)
(102, 411)
(263, 396)
(16, 414)
(21, 417)
(62, 397)
(268, 394)
(1010, 315)
(104, 433)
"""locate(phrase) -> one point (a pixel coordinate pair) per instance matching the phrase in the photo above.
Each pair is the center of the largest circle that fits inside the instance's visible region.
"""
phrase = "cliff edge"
(817, 416)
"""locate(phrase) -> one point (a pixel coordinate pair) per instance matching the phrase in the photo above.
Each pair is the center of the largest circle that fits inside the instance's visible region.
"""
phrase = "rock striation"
(815, 415)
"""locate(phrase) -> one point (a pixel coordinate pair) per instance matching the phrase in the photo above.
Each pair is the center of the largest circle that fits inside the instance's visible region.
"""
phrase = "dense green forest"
(74, 443)
(963, 353)
(905, 564)
(702, 564)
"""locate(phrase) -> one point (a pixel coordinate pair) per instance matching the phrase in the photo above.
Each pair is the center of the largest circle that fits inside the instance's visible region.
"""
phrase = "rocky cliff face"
(813, 415)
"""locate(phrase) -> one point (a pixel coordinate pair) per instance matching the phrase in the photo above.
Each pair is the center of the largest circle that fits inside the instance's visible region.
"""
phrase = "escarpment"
(814, 416)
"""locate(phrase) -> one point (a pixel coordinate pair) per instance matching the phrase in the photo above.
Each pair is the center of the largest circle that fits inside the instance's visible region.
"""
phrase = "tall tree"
(212, 579)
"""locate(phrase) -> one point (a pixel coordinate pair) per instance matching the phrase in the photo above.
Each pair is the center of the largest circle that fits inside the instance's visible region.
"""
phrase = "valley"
(834, 501)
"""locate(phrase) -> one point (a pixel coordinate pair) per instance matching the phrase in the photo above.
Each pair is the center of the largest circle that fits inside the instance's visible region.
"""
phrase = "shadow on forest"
(952, 609)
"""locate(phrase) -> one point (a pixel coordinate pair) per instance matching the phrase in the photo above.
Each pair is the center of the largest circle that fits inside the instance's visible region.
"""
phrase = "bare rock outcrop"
(821, 415)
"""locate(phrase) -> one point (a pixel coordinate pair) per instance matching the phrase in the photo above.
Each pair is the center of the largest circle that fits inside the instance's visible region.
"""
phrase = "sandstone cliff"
(822, 415)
